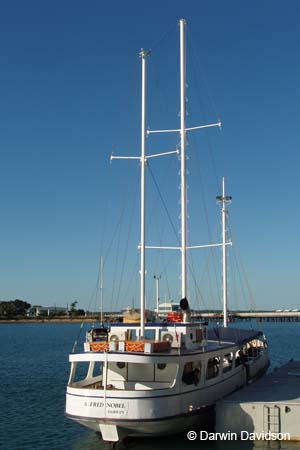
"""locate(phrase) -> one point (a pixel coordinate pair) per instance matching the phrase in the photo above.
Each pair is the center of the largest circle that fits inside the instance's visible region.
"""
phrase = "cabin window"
(132, 335)
(227, 362)
(191, 373)
(150, 334)
(213, 367)
(81, 371)
(97, 369)
(238, 358)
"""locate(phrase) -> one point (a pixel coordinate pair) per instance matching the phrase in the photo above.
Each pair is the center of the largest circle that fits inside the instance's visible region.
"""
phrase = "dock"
(269, 406)
(233, 316)
(260, 316)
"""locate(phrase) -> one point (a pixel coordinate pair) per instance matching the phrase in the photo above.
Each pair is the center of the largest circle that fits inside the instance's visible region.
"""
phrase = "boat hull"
(118, 416)
(114, 430)
(152, 394)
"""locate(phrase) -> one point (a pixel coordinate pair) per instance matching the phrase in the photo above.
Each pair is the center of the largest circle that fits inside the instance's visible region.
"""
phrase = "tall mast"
(182, 24)
(223, 200)
(143, 161)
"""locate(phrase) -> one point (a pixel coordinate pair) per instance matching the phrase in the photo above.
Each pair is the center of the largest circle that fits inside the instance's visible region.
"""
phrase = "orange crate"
(139, 346)
(99, 346)
(134, 346)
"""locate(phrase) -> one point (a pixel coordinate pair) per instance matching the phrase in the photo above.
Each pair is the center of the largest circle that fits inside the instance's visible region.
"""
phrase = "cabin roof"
(236, 335)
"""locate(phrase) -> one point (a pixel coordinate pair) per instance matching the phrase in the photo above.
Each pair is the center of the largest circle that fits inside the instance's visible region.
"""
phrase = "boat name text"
(108, 405)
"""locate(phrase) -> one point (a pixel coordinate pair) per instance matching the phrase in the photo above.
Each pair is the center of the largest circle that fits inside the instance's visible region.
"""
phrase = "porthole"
(161, 366)
(120, 365)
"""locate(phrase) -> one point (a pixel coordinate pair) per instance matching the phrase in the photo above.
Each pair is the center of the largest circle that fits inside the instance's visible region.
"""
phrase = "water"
(34, 371)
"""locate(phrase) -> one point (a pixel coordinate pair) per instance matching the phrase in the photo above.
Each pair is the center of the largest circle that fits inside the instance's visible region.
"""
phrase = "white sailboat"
(148, 379)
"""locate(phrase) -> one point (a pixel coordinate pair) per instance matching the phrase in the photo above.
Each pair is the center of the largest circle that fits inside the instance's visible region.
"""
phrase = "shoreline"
(54, 320)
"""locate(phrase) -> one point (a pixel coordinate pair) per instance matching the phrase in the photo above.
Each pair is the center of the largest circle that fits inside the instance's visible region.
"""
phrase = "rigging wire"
(127, 243)
(204, 206)
(196, 285)
(159, 42)
(116, 266)
(160, 230)
(77, 338)
(194, 59)
(164, 270)
(234, 282)
(251, 296)
(166, 111)
(163, 202)
(173, 226)
(206, 270)
(164, 267)
(132, 277)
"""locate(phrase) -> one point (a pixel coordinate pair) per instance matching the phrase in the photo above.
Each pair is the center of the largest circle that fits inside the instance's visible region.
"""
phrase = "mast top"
(144, 53)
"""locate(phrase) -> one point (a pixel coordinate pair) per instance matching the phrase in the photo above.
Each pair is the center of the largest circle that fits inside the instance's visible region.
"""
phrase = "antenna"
(157, 280)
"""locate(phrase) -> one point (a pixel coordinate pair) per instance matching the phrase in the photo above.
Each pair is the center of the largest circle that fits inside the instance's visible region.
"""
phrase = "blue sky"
(70, 95)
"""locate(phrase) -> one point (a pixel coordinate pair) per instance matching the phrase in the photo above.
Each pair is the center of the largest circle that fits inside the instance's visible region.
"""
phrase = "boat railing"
(124, 386)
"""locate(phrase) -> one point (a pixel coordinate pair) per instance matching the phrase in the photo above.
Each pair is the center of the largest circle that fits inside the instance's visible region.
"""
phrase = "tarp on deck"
(236, 335)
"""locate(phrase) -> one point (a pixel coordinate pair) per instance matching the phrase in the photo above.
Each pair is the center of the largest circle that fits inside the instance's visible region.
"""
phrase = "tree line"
(18, 309)
(14, 308)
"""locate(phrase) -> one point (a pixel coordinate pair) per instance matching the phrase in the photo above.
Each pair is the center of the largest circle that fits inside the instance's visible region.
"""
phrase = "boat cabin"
(170, 357)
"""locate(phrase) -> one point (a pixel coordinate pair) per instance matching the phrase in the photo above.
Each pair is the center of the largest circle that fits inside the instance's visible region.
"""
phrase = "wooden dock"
(270, 405)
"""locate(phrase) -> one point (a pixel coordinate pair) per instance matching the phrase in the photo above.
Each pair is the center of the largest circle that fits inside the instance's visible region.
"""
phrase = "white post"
(157, 291)
(182, 23)
(143, 55)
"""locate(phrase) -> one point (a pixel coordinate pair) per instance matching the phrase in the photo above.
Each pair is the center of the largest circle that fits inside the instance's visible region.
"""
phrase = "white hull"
(151, 428)
(145, 409)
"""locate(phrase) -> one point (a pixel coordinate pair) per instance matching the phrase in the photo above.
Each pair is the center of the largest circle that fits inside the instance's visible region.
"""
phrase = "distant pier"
(211, 316)
(261, 316)
(234, 316)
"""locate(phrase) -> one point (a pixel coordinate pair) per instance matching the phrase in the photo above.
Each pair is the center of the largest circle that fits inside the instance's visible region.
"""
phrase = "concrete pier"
(269, 406)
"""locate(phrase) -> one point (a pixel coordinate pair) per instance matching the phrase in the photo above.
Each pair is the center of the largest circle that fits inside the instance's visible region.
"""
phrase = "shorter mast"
(223, 200)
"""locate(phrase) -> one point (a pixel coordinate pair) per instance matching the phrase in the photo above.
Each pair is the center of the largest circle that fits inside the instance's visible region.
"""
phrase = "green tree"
(7, 310)
(73, 308)
(21, 307)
